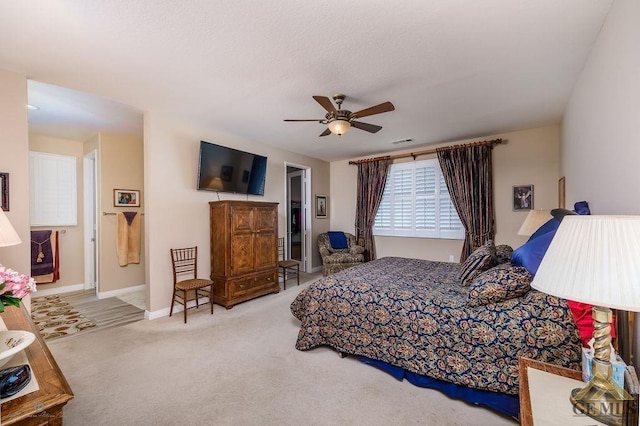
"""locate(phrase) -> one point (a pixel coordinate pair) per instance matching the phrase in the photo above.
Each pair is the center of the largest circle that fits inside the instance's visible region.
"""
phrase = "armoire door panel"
(241, 219)
(265, 219)
(266, 251)
(242, 254)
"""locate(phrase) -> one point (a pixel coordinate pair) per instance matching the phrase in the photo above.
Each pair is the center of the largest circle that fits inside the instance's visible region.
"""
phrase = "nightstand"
(544, 395)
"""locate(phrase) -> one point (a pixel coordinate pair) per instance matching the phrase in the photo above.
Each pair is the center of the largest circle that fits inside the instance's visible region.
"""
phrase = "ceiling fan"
(339, 120)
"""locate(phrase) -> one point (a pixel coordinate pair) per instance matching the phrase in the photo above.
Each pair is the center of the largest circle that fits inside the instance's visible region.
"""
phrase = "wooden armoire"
(244, 250)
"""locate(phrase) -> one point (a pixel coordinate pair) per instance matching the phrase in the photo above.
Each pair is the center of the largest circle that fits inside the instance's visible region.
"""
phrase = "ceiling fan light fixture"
(339, 127)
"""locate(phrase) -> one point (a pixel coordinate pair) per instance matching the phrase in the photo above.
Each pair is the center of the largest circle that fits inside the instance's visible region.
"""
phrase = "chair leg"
(298, 273)
(284, 277)
(211, 298)
(173, 299)
(184, 301)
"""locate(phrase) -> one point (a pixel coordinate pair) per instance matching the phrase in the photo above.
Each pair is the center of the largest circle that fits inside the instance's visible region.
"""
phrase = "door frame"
(306, 264)
(90, 191)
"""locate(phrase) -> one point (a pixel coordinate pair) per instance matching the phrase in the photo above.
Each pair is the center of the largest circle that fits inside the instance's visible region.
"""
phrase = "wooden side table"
(545, 390)
(43, 407)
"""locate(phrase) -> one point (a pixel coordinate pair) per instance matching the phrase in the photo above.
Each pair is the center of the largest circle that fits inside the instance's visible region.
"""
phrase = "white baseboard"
(79, 287)
(120, 291)
(57, 290)
(151, 315)
(316, 269)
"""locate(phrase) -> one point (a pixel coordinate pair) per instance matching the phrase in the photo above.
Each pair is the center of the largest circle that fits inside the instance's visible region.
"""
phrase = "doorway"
(90, 221)
(298, 212)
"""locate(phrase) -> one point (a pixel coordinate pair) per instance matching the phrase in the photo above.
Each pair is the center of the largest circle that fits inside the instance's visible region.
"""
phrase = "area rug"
(55, 317)
(68, 314)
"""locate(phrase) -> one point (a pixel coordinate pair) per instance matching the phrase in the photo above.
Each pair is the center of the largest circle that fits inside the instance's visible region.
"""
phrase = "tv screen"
(226, 169)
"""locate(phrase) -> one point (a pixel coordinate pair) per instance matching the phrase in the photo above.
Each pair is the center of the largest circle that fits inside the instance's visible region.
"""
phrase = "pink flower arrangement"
(13, 287)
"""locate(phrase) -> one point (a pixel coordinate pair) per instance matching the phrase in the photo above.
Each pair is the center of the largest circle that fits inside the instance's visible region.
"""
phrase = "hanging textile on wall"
(45, 256)
(128, 238)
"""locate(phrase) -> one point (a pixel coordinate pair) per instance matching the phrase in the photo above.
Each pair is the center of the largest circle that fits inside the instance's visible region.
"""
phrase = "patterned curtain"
(371, 179)
(469, 177)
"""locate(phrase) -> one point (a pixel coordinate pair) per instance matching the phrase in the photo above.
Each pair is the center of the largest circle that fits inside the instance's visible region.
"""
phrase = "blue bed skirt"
(508, 405)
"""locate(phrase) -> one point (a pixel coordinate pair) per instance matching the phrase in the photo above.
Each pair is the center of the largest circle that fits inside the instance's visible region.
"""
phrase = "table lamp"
(534, 220)
(8, 235)
(595, 260)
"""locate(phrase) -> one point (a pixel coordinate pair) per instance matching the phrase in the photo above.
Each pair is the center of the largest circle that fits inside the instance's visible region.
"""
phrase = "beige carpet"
(238, 367)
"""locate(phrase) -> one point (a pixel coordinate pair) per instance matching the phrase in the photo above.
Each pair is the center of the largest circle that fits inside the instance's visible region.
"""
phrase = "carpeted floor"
(67, 314)
(238, 367)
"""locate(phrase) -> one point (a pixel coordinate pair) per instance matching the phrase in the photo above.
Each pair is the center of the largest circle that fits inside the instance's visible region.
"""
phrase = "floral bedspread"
(413, 314)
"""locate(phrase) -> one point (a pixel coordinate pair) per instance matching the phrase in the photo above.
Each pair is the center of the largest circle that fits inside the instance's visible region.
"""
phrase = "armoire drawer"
(250, 285)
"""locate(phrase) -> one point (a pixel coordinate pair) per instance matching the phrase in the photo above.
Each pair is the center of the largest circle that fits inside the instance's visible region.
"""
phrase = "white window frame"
(440, 195)
(53, 192)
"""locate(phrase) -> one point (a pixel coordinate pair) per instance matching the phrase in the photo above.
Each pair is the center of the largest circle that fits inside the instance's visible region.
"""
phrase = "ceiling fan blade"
(371, 128)
(319, 120)
(326, 103)
(326, 132)
(378, 109)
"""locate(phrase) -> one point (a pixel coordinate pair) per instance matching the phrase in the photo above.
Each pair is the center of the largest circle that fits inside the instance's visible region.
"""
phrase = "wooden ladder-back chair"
(185, 279)
(288, 266)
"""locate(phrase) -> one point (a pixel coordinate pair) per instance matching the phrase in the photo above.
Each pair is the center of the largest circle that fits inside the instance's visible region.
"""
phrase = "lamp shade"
(8, 235)
(534, 220)
(339, 127)
(595, 260)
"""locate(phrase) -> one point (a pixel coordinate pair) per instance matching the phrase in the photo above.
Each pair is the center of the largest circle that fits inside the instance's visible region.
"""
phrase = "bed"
(416, 317)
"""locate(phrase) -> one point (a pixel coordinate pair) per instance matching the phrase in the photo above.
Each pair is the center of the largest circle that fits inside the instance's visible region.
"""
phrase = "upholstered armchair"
(335, 260)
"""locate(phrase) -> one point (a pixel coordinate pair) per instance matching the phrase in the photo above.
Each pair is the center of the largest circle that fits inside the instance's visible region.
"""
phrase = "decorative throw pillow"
(338, 240)
(503, 282)
(503, 253)
(483, 258)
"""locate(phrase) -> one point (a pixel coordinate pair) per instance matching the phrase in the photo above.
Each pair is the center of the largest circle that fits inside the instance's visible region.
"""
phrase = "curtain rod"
(426, 152)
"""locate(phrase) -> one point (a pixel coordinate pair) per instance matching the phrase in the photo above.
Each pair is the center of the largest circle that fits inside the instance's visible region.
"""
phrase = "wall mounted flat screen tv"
(224, 169)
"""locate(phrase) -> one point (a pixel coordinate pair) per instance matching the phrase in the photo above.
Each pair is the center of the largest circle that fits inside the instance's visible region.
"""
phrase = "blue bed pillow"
(338, 240)
(530, 254)
(550, 225)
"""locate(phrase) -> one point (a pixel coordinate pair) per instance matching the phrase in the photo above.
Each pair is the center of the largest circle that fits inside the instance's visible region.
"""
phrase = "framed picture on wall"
(4, 191)
(321, 206)
(522, 197)
(126, 198)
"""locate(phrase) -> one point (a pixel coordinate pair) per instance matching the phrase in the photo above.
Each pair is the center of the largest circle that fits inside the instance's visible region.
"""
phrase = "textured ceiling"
(454, 69)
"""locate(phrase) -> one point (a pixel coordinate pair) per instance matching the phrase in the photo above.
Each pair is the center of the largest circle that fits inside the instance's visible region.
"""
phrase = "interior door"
(295, 216)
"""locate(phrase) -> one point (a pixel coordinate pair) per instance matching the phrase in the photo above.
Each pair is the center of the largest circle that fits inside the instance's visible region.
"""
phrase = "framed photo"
(321, 206)
(126, 198)
(4, 191)
(522, 197)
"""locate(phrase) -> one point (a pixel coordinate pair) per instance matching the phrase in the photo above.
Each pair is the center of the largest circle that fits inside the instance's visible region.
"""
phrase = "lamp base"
(603, 400)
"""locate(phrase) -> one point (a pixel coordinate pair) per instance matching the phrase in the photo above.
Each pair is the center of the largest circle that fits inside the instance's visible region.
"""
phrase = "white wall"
(177, 215)
(601, 129)
(525, 157)
(14, 159)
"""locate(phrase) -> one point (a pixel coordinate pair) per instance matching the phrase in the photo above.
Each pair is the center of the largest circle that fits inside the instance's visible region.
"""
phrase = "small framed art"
(321, 206)
(126, 198)
(4, 191)
(522, 197)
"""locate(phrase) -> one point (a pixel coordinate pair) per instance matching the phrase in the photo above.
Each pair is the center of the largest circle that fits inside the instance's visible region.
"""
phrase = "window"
(53, 189)
(416, 203)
